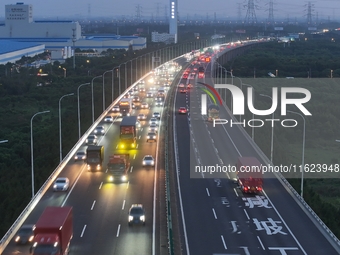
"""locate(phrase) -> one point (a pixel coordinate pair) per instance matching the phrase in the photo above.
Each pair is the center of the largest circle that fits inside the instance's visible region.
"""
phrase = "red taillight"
(245, 188)
(259, 188)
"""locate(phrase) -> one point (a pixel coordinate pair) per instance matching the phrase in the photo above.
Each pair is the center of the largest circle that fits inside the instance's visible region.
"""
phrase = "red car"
(182, 110)
(182, 90)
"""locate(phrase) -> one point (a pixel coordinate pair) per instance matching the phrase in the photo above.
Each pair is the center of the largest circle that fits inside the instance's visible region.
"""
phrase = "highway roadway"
(217, 218)
(101, 208)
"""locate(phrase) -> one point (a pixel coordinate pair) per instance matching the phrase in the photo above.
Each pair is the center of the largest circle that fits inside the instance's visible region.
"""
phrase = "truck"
(159, 99)
(94, 157)
(118, 167)
(249, 174)
(53, 231)
(128, 133)
(125, 107)
(213, 112)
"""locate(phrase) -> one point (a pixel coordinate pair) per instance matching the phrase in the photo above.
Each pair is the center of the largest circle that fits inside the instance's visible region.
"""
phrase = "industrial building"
(58, 36)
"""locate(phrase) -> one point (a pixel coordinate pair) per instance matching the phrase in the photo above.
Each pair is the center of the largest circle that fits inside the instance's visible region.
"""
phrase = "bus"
(213, 112)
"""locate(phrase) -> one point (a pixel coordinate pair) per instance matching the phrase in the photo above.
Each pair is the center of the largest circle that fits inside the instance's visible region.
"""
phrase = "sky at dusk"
(283, 9)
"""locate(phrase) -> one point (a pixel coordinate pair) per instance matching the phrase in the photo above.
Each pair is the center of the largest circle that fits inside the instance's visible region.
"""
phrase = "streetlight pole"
(303, 149)
(60, 141)
(112, 82)
(32, 162)
(252, 128)
(104, 88)
(92, 96)
(272, 138)
(79, 106)
(119, 89)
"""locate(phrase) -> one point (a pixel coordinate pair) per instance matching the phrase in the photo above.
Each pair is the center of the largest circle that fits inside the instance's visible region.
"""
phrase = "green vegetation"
(322, 128)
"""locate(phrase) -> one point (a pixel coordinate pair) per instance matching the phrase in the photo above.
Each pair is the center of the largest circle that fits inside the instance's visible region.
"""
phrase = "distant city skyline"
(187, 9)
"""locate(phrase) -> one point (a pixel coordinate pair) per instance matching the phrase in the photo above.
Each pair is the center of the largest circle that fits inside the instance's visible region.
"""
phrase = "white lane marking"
(127, 186)
(246, 250)
(236, 192)
(214, 213)
(94, 202)
(277, 212)
(134, 156)
(245, 212)
(117, 146)
(123, 205)
(139, 137)
(118, 230)
(82, 232)
(137, 146)
(101, 184)
(131, 169)
(225, 246)
(207, 192)
(258, 238)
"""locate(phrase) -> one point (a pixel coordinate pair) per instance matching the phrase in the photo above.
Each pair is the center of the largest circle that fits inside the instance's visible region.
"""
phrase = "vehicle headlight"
(31, 238)
(130, 218)
(144, 163)
(98, 167)
(83, 157)
(152, 162)
(75, 157)
(55, 186)
(110, 178)
(142, 218)
(133, 145)
(124, 178)
(148, 137)
(122, 146)
(87, 140)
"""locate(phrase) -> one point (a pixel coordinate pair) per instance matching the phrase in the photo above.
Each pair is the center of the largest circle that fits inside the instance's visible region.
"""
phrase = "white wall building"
(164, 37)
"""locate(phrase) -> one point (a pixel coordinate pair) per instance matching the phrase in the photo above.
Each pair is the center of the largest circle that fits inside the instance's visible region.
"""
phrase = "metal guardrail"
(333, 239)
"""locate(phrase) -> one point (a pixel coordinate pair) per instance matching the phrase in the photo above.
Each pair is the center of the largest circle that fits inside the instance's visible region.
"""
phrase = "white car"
(153, 128)
(156, 115)
(80, 155)
(148, 160)
(151, 137)
(92, 139)
(108, 118)
(61, 184)
(99, 130)
(153, 121)
(144, 105)
(181, 85)
(141, 116)
(115, 108)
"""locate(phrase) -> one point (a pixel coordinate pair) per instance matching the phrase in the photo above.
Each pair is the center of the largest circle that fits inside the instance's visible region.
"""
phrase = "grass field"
(322, 129)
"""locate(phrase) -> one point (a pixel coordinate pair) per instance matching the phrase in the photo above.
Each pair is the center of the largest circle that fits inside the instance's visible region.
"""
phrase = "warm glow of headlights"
(130, 218)
(142, 218)
(111, 178)
(124, 178)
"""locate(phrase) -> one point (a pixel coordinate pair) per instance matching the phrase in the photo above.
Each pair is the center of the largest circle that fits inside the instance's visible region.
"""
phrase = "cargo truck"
(128, 133)
(125, 107)
(249, 174)
(53, 231)
(94, 158)
(213, 112)
(118, 167)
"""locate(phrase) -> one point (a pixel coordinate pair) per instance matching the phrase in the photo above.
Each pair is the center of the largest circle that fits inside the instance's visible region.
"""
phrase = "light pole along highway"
(272, 139)
(104, 88)
(32, 160)
(60, 140)
(78, 95)
(303, 149)
(92, 96)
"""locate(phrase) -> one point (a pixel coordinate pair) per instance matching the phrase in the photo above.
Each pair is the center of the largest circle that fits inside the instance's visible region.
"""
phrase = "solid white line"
(123, 205)
(214, 213)
(246, 214)
(284, 223)
(207, 192)
(236, 192)
(101, 184)
(131, 169)
(225, 246)
(179, 183)
(82, 232)
(258, 238)
(94, 202)
(118, 230)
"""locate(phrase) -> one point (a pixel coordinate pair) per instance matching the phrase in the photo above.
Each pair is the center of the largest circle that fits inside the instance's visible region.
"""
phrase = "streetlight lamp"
(303, 149)
(252, 128)
(79, 106)
(272, 139)
(92, 96)
(104, 88)
(32, 162)
(60, 142)
(331, 74)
